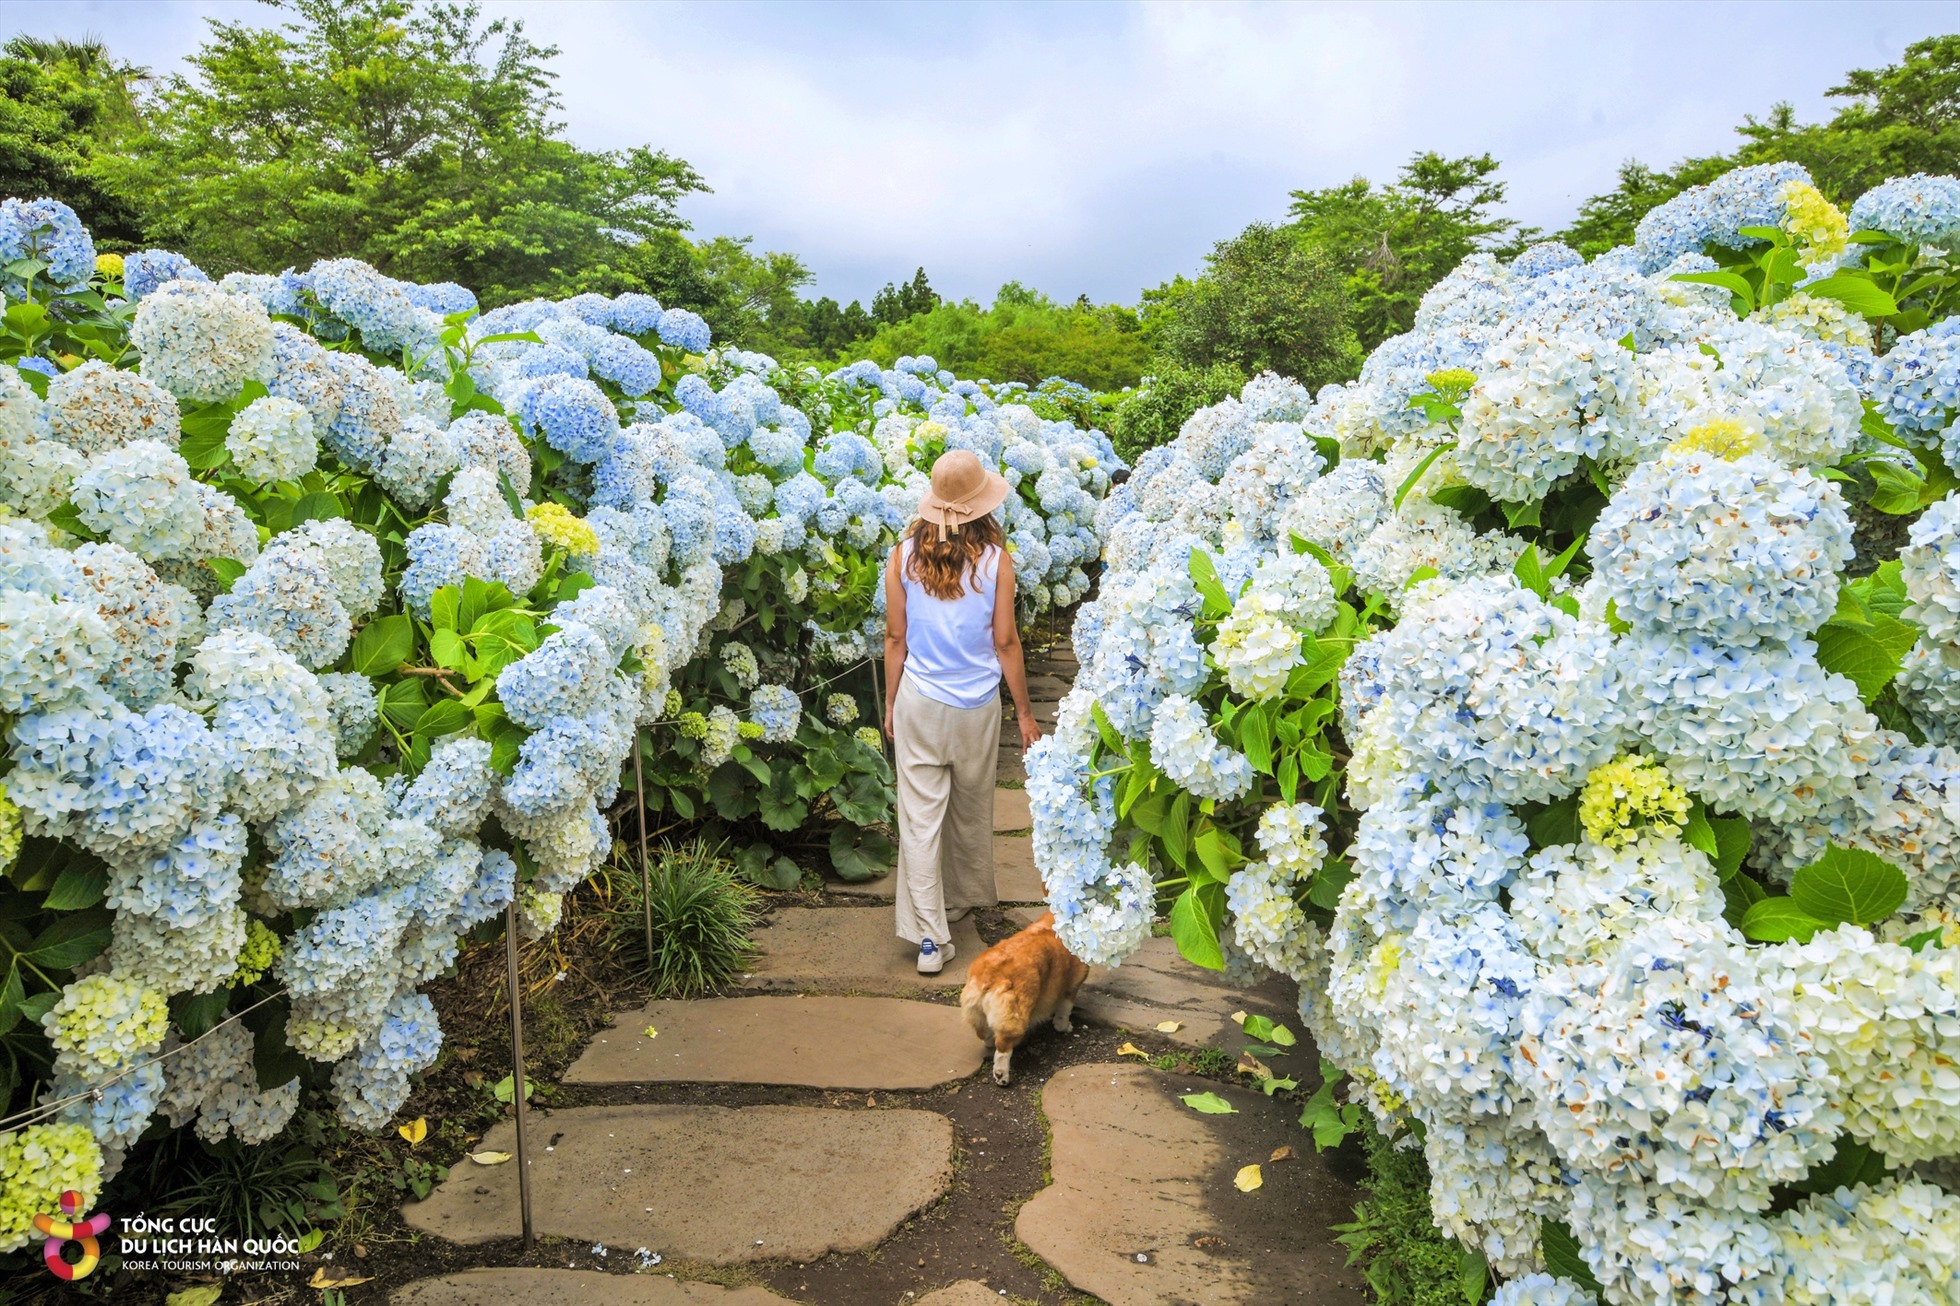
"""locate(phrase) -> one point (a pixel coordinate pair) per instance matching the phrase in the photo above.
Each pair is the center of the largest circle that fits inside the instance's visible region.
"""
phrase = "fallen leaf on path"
(414, 1131)
(489, 1158)
(1238, 1018)
(652, 1032)
(1169, 1026)
(1248, 1178)
(320, 1280)
(202, 1295)
(1255, 1067)
(1282, 1154)
(1209, 1104)
(1132, 1050)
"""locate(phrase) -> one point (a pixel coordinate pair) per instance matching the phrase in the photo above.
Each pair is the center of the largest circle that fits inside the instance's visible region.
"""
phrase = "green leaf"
(1852, 1164)
(1256, 737)
(227, 570)
(1773, 920)
(1205, 576)
(1409, 482)
(70, 940)
(384, 644)
(67, 517)
(1857, 293)
(1700, 834)
(444, 607)
(1732, 839)
(446, 649)
(1528, 513)
(1177, 831)
(443, 718)
(317, 507)
(402, 703)
(1865, 657)
(1895, 490)
(1209, 844)
(1209, 1104)
(1563, 1258)
(759, 864)
(1849, 884)
(198, 1013)
(858, 854)
(1744, 301)
(1111, 739)
(205, 450)
(79, 886)
(1268, 1031)
(1472, 1274)
(1467, 500)
(1329, 880)
(1557, 824)
(1196, 917)
(779, 806)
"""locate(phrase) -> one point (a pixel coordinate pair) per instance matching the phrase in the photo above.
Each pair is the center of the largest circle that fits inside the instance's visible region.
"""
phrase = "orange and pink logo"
(71, 1229)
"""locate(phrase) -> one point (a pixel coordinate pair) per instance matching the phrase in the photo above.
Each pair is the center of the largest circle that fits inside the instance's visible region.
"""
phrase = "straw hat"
(962, 489)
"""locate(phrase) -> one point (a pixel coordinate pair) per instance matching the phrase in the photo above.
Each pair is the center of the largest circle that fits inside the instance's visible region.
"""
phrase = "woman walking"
(950, 639)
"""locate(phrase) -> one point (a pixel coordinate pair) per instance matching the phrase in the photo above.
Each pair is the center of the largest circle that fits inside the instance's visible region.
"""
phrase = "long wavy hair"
(941, 565)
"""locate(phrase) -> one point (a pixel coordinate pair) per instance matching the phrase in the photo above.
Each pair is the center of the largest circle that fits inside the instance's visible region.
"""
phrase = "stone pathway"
(1141, 1210)
(704, 1183)
(819, 1042)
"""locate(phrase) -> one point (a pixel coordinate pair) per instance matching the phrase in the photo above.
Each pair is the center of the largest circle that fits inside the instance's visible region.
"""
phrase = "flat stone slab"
(849, 949)
(1015, 876)
(1045, 685)
(537, 1287)
(1143, 1211)
(1155, 985)
(967, 1292)
(1011, 810)
(818, 1042)
(704, 1183)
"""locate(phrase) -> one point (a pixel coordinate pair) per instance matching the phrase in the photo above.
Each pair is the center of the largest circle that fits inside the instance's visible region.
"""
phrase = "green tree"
(414, 136)
(896, 303)
(1394, 242)
(1900, 119)
(1266, 301)
(64, 107)
(1151, 415)
(1024, 336)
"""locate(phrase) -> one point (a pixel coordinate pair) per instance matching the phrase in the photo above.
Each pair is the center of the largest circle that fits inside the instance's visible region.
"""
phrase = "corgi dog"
(1018, 983)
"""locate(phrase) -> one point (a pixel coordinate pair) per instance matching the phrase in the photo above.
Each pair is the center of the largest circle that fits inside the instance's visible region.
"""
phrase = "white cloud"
(1104, 148)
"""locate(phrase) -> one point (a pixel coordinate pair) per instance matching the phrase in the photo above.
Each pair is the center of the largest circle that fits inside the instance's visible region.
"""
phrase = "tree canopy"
(1024, 336)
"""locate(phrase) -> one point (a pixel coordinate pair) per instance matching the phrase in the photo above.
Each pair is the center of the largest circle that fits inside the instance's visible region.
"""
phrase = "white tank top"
(949, 643)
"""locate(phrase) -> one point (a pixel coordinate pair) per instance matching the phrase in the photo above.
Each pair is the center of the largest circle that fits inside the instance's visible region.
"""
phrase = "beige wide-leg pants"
(946, 759)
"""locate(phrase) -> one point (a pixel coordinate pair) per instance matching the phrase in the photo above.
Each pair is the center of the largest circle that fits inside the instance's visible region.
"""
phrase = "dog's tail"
(973, 1001)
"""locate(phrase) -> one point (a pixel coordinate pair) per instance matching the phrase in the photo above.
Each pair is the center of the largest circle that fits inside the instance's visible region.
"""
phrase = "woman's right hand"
(888, 723)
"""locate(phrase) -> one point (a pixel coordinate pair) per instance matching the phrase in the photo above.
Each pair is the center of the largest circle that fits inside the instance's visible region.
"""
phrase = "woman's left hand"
(1030, 729)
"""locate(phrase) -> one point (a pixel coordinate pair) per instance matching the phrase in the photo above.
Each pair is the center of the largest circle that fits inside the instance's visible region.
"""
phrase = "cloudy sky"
(1102, 148)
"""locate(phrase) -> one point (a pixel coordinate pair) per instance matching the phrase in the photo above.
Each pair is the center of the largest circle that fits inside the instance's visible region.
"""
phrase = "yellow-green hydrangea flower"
(10, 834)
(109, 266)
(1628, 796)
(694, 725)
(256, 957)
(37, 1165)
(556, 526)
(103, 1023)
(868, 736)
(1724, 437)
(1818, 226)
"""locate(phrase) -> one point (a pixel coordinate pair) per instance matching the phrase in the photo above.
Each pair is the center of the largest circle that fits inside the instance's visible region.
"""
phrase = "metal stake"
(646, 875)
(517, 1068)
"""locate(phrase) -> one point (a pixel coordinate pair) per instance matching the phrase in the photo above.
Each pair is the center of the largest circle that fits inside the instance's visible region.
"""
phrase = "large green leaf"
(858, 854)
(443, 718)
(70, 940)
(383, 645)
(1849, 884)
(1868, 655)
(1857, 293)
(1773, 920)
(80, 885)
(1562, 1256)
(1195, 920)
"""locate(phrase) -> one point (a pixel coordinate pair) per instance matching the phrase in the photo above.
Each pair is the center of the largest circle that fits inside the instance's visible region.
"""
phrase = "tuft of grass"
(702, 914)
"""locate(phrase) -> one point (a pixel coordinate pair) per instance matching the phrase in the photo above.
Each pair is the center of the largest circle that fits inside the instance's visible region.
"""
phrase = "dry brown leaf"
(1169, 1026)
(1238, 1018)
(1251, 1065)
(1248, 1178)
(1282, 1154)
(320, 1280)
(489, 1158)
(1132, 1050)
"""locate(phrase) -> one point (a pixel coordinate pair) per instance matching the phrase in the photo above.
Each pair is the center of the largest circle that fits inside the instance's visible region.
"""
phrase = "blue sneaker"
(933, 959)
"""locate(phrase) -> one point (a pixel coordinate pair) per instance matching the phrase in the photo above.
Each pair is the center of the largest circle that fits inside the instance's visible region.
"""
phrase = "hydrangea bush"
(1521, 700)
(330, 609)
